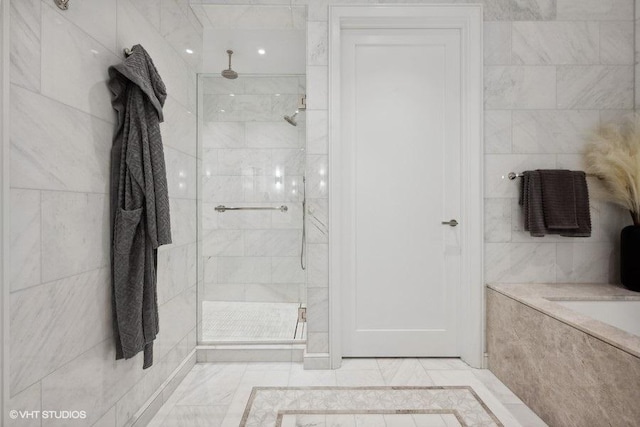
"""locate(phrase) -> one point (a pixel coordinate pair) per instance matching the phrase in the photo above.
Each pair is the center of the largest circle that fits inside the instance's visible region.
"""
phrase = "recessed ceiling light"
(262, 51)
(277, 94)
(222, 111)
(189, 51)
(232, 94)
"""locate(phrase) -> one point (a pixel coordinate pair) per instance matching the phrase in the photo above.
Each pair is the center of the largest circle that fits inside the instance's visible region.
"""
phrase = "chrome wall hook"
(62, 4)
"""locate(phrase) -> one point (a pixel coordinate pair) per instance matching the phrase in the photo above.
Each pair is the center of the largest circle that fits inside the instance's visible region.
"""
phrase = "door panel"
(401, 151)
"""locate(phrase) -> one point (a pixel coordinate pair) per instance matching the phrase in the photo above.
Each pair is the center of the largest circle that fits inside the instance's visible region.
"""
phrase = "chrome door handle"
(451, 223)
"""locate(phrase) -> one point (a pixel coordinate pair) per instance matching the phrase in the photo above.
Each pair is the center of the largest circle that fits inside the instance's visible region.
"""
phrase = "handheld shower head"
(229, 73)
(292, 119)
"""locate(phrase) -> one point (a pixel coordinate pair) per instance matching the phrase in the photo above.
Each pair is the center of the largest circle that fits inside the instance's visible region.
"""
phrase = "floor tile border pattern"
(280, 413)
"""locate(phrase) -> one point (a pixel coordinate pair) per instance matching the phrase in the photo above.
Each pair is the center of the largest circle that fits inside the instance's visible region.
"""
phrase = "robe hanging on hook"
(62, 4)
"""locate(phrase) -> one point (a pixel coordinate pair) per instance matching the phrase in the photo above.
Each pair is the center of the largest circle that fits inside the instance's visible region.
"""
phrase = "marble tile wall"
(62, 351)
(548, 82)
(554, 69)
(252, 157)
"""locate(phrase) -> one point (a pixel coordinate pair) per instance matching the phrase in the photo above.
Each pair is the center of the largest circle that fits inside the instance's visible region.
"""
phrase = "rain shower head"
(229, 73)
(292, 119)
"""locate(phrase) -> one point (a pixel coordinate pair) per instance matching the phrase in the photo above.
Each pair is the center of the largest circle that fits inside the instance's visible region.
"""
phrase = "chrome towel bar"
(513, 175)
(223, 208)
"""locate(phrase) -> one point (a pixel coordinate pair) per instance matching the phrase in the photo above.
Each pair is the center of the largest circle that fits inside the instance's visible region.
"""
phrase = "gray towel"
(139, 203)
(558, 199)
(533, 205)
(583, 214)
(531, 201)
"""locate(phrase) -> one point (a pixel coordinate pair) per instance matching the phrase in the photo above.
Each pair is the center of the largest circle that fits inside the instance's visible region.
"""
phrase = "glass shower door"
(252, 282)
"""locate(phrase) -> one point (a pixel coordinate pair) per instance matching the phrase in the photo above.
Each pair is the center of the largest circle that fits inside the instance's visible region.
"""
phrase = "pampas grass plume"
(613, 154)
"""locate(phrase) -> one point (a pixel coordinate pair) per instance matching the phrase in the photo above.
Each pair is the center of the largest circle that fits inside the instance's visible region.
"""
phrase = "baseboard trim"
(317, 361)
(159, 398)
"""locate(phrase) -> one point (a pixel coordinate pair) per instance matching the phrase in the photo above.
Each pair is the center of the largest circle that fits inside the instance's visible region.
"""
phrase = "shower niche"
(253, 283)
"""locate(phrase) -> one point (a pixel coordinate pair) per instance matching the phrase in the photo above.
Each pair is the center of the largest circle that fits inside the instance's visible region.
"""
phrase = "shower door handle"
(451, 223)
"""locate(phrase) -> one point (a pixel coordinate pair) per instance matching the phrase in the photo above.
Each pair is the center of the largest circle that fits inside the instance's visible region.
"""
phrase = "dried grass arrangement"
(613, 154)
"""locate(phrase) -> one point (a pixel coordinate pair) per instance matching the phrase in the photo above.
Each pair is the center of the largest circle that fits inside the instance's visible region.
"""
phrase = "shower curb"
(250, 353)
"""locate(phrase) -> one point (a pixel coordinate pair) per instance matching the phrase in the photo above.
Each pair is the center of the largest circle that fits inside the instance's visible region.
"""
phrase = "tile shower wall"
(252, 157)
(554, 69)
(62, 350)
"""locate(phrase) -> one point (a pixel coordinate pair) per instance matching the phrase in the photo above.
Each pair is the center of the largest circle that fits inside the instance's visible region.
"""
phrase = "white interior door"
(400, 151)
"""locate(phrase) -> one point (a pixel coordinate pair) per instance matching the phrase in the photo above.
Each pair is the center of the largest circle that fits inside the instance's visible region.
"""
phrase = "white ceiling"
(279, 30)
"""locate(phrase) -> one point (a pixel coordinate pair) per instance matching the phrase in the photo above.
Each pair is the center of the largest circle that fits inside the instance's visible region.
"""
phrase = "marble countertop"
(543, 297)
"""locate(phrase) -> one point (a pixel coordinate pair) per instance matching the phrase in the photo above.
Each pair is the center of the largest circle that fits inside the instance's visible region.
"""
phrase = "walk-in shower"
(252, 282)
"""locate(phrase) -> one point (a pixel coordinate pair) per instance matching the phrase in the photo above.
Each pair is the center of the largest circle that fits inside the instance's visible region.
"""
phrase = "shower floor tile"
(249, 321)
(449, 394)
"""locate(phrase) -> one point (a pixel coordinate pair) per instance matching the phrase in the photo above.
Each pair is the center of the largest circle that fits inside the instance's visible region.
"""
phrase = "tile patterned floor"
(216, 395)
(267, 406)
(370, 420)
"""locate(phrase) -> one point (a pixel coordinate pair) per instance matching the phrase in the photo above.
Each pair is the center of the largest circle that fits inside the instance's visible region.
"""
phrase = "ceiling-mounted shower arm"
(229, 73)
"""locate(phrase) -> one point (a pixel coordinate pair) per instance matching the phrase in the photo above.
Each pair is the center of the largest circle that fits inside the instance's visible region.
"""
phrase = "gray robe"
(139, 203)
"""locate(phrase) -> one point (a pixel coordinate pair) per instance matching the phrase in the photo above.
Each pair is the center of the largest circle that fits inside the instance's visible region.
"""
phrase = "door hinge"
(302, 102)
(302, 314)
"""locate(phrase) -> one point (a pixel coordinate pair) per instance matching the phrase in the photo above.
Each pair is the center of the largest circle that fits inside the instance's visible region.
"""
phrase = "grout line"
(49, 282)
(57, 101)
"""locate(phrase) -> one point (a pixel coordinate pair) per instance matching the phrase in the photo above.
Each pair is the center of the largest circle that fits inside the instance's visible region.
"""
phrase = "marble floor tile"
(195, 416)
(270, 366)
(212, 384)
(273, 378)
(403, 372)
(443, 363)
(356, 378)
(466, 377)
(301, 377)
(370, 420)
(219, 395)
(358, 364)
(238, 405)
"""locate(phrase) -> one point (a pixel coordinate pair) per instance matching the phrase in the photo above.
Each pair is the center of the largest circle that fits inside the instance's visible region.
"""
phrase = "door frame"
(468, 20)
